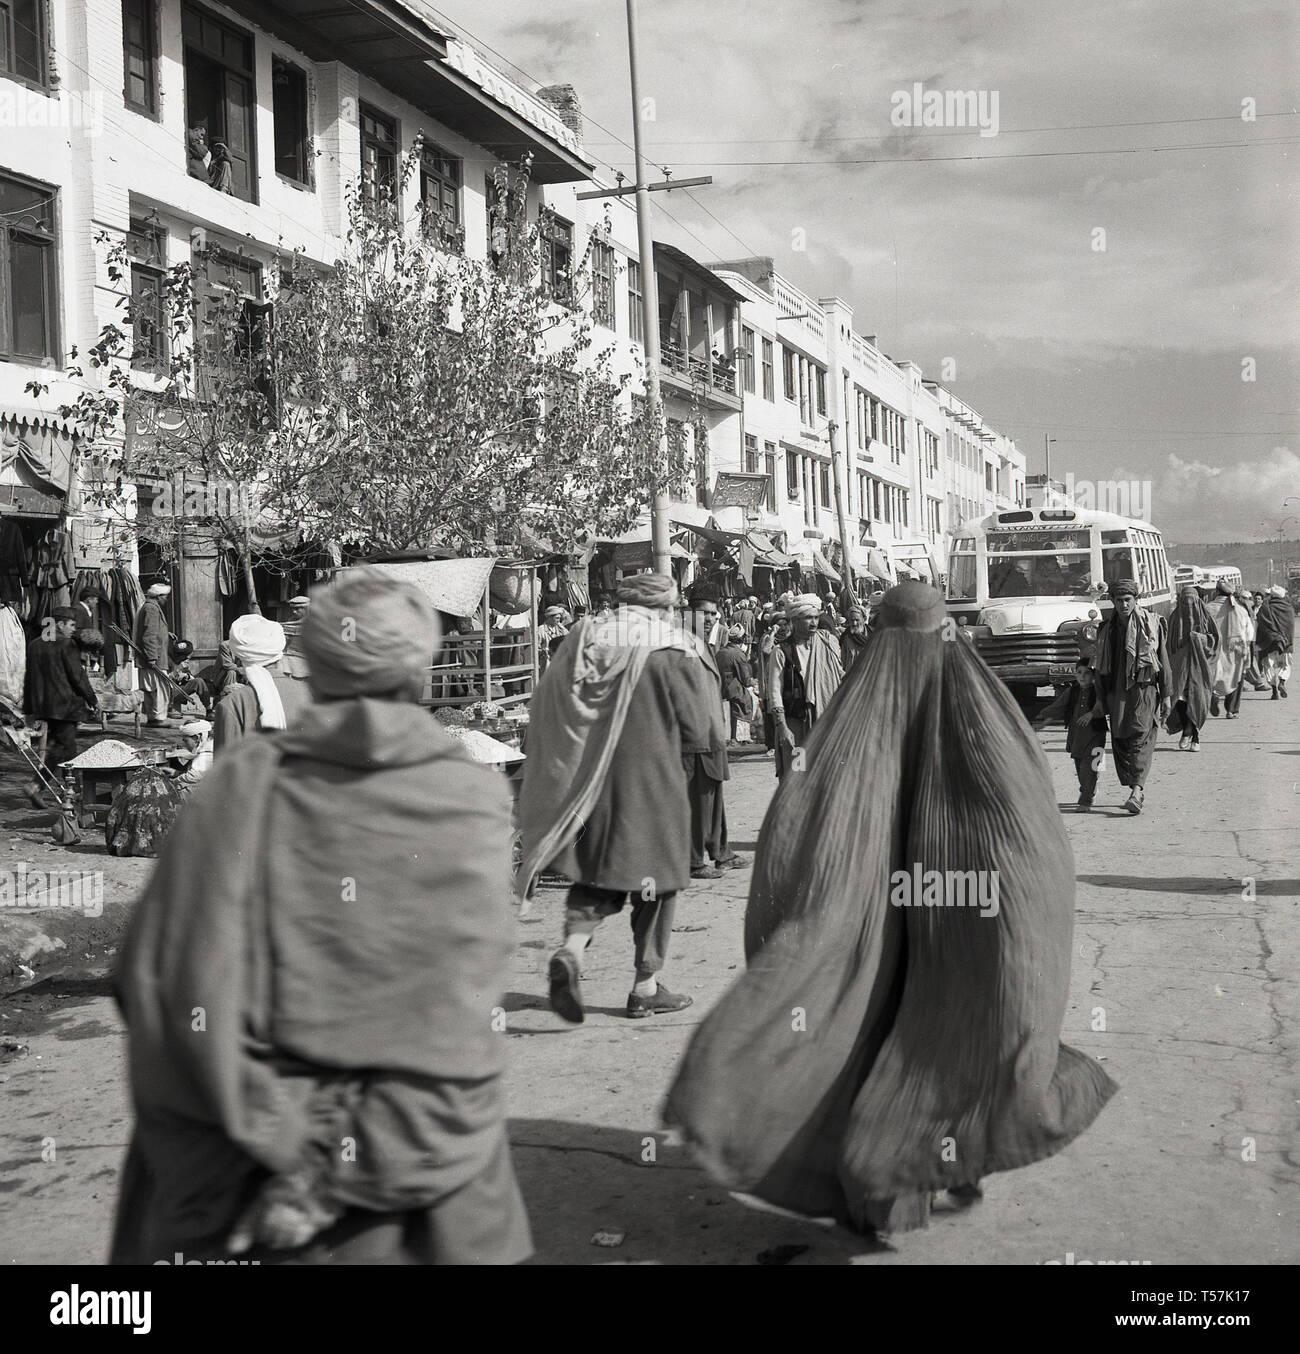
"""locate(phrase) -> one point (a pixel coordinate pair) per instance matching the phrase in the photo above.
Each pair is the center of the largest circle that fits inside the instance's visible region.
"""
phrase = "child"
(1085, 729)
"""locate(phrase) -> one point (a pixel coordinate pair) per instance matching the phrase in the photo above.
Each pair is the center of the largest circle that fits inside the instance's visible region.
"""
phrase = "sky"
(1139, 306)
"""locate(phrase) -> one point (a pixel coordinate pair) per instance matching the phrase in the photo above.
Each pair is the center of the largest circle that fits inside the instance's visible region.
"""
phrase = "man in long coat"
(1275, 639)
(152, 639)
(623, 703)
(1236, 629)
(57, 690)
(706, 772)
(803, 674)
(1134, 682)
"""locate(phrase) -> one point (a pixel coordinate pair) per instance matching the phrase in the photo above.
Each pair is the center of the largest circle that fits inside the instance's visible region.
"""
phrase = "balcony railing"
(715, 373)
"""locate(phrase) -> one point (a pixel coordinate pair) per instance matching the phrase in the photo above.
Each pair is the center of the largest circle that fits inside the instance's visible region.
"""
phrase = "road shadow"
(580, 1180)
(1227, 886)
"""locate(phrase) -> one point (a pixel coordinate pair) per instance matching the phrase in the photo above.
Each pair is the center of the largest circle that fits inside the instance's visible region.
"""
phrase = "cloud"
(1236, 502)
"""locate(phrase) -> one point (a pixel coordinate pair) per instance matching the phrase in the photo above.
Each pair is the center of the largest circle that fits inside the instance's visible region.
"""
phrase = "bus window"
(1039, 564)
(1117, 563)
(961, 578)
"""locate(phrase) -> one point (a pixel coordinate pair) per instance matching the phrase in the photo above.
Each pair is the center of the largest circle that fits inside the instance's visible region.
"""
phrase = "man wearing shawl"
(152, 641)
(313, 1066)
(1133, 686)
(1275, 639)
(1193, 643)
(882, 1045)
(803, 674)
(623, 707)
(854, 639)
(1236, 630)
(270, 699)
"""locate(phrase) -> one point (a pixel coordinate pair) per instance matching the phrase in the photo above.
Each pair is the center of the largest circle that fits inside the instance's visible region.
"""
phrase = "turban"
(1277, 590)
(806, 604)
(1123, 587)
(736, 632)
(1225, 589)
(255, 641)
(196, 728)
(1243, 595)
(648, 590)
(368, 634)
(301, 600)
(554, 612)
(157, 590)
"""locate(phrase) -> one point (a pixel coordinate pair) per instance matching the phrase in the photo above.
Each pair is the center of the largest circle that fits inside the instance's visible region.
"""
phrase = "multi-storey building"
(985, 471)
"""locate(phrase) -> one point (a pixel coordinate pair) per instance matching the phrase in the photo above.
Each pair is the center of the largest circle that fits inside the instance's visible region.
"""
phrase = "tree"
(399, 397)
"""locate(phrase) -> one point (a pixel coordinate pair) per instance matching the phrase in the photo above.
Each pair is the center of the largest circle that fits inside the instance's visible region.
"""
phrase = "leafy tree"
(400, 397)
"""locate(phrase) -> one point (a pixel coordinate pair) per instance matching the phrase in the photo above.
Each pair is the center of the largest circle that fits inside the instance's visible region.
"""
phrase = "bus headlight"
(1089, 632)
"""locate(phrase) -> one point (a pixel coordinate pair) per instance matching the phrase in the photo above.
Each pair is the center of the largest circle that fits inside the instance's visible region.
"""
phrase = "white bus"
(1031, 585)
(1214, 574)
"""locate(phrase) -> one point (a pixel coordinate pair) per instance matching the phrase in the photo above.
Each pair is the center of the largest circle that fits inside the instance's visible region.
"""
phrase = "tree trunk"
(246, 559)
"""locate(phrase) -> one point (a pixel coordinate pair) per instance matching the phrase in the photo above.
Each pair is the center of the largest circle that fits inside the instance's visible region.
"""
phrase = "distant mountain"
(1259, 561)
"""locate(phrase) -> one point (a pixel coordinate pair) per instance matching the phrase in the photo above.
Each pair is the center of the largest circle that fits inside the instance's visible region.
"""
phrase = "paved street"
(1183, 986)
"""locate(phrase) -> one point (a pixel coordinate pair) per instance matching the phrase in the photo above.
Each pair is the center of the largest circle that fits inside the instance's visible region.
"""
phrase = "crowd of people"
(314, 1124)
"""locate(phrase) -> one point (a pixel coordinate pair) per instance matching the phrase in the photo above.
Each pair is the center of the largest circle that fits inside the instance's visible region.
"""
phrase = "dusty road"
(1184, 981)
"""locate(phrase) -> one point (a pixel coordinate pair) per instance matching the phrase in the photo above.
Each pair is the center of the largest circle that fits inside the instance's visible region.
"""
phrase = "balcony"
(712, 378)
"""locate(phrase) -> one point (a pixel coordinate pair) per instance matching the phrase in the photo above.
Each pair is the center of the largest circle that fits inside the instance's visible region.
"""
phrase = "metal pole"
(650, 303)
(839, 511)
(1047, 458)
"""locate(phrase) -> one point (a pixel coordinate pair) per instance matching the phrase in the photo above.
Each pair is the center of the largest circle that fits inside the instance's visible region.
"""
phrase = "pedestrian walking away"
(878, 1049)
(604, 802)
(315, 961)
(1275, 640)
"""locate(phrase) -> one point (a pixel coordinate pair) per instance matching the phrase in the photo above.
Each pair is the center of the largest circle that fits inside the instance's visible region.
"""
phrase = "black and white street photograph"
(646, 633)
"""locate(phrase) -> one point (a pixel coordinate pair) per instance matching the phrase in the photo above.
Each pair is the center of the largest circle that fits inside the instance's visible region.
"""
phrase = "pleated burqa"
(873, 1053)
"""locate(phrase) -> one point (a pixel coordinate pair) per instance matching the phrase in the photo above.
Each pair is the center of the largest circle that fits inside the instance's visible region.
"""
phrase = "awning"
(36, 451)
(822, 566)
(455, 586)
(714, 534)
(640, 554)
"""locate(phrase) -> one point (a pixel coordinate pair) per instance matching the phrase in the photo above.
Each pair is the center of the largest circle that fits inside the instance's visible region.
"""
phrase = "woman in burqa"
(878, 1049)
(1192, 645)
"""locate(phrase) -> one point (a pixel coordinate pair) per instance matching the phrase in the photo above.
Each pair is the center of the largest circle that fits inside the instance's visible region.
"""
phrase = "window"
(289, 110)
(635, 303)
(149, 320)
(751, 454)
(22, 39)
(747, 360)
(557, 257)
(787, 373)
(378, 155)
(821, 390)
(222, 280)
(140, 56)
(824, 476)
(805, 392)
(769, 468)
(219, 104)
(28, 284)
(602, 283)
(792, 474)
(769, 372)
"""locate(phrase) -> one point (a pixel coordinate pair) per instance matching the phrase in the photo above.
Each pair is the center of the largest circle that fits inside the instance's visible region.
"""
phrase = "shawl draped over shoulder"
(917, 1025)
(316, 959)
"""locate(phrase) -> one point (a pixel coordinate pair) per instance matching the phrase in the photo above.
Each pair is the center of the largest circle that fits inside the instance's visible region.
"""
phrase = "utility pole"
(1047, 458)
(847, 567)
(659, 505)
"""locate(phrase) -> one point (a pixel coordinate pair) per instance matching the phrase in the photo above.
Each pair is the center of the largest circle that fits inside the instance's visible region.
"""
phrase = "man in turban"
(803, 674)
(624, 705)
(926, 1051)
(152, 642)
(268, 699)
(1236, 631)
(314, 1069)
(1275, 639)
(1134, 686)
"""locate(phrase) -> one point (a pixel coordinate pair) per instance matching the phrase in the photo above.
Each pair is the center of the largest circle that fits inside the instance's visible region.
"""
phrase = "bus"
(1030, 586)
(1214, 574)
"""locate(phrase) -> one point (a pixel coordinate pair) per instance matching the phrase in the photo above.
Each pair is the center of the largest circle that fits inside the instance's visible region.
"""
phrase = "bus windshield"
(1050, 563)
